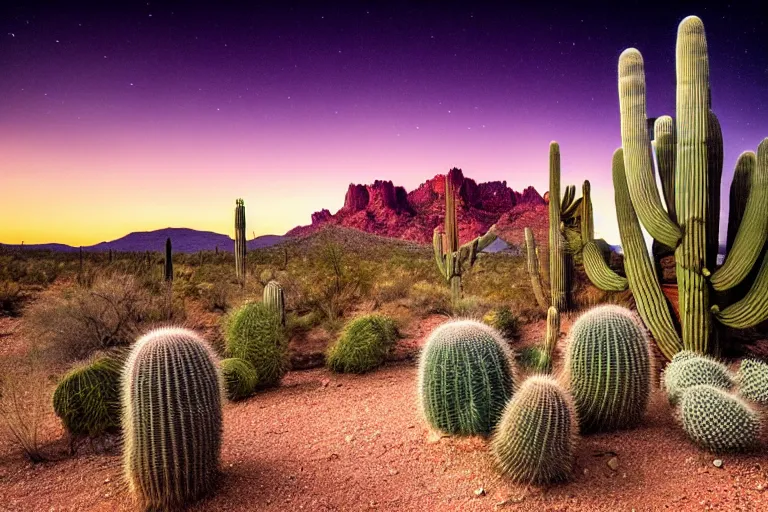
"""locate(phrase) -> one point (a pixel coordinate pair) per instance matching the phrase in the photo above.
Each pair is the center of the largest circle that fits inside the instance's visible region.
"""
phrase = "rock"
(348, 438)
(613, 463)
(480, 492)
(718, 463)
(324, 382)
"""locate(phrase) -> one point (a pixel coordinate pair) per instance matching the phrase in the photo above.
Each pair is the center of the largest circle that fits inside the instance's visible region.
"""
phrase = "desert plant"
(88, 397)
(550, 340)
(535, 438)
(240, 378)
(753, 380)
(719, 421)
(275, 300)
(172, 397)
(254, 333)
(505, 321)
(363, 345)
(23, 404)
(609, 365)
(694, 371)
(240, 241)
(466, 376)
(11, 299)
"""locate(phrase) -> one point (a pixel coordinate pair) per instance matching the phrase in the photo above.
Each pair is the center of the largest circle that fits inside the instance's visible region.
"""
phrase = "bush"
(503, 320)
(11, 299)
(254, 333)
(240, 378)
(363, 345)
(428, 298)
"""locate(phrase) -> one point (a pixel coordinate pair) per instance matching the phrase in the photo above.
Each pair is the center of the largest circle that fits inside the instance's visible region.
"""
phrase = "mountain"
(183, 240)
(388, 210)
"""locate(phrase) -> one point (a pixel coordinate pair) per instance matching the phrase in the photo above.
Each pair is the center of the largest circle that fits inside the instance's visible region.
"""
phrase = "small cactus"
(609, 365)
(693, 371)
(275, 299)
(719, 421)
(466, 376)
(534, 440)
(753, 380)
(363, 345)
(240, 378)
(172, 398)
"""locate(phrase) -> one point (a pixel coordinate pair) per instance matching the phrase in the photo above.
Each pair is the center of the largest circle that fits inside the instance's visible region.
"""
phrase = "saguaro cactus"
(275, 299)
(168, 268)
(691, 145)
(240, 250)
(533, 268)
(557, 270)
(451, 257)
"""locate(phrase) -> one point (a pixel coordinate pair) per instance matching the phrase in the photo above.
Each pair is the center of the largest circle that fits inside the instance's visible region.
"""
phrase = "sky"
(143, 115)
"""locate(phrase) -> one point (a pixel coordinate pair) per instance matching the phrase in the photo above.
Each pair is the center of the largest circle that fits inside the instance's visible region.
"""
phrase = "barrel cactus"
(719, 421)
(240, 378)
(534, 440)
(753, 380)
(88, 397)
(466, 376)
(363, 345)
(693, 371)
(172, 397)
(275, 299)
(255, 333)
(609, 365)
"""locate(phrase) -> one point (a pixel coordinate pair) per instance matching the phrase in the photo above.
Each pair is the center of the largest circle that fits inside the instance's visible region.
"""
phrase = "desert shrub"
(215, 296)
(11, 299)
(88, 397)
(392, 290)
(505, 321)
(471, 306)
(254, 333)
(240, 378)
(429, 298)
(363, 344)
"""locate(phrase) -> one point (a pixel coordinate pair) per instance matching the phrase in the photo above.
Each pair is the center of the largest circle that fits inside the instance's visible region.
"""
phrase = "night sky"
(156, 114)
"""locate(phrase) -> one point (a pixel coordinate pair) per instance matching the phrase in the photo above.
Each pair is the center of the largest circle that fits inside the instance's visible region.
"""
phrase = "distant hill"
(183, 240)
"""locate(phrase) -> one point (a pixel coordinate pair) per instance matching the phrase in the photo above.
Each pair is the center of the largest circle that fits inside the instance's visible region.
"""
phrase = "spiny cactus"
(240, 241)
(753, 380)
(557, 270)
(275, 299)
(240, 378)
(535, 438)
(719, 421)
(609, 365)
(254, 333)
(168, 267)
(88, 397)
(681, 375)
(172, 397)
(363, 345)
(550, 341)
(466, 376)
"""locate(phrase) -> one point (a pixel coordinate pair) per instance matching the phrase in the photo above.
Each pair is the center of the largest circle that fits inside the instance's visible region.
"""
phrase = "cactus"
(88, 397)
(466, 376)
(609, 364)
(254, 333)
(689, 148)
(240, 378)
(172, 397)
(533, 269)
(681, 375)
(168, 260)
(557, 270)
(363, 345)
(274, 298)
(534, 441)
(550, 342)
(753, 380)
(719, 421)
(449, 256)
(240, 243)
(598, 270)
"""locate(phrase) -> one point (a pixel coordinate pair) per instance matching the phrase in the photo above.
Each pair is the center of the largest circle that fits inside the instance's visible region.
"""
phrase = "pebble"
(349, 438)
(613, 463)
(718, 463)
(480, 492)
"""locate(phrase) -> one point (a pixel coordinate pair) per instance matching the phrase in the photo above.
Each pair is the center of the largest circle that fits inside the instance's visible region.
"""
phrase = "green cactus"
(532, 254)
(466, 376)
(240, 241)
(88, 397)
(598, 270)
(557, 270)
(168, 267)
(534, 441)
(719, 421)
(609, 365)
(275, 299)
(683, 374)
(240, 378)
(753, 380)
(363, 345)
(550, 341)
(172, 396)
(254, 333)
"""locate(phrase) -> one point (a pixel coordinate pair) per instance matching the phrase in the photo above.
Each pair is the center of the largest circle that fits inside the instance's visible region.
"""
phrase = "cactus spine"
(240, 249)
(533, 269)
(172, 395)
(275, 299)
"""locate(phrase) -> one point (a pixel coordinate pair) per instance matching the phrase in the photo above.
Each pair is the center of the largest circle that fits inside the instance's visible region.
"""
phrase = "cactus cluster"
(753, 380)
(363, 345)
(275, 299)
(240, 378)
(172, 420)
(609, 366)
(535, 438)
(466, 376)
(685, 373)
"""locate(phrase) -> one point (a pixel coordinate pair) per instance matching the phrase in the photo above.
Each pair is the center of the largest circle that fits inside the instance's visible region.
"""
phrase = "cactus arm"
(572, 209)
(665, 140)
(753, 308)
(556, 243)
(587, 221)
(533, 269)
(599, 272)
(469, 250)
(437, 244)
(739, 194)
(751, 236)
(642, 279)
(637, 151)
(568, 196)
(715, 174)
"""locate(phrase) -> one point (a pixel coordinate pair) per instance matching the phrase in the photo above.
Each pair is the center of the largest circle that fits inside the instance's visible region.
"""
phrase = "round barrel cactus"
(693, 371)
(88, 397)
(172, 396)
(719, 421)
(240, 378)
(534, 440)
(466, 376)
(609, 365)
(753, 380)
(255, 333)
(363, 345)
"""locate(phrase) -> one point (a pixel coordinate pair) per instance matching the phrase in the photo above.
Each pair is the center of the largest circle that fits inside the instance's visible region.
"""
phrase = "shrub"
(503, 320)
(753, 380)
(363, 344)
(240, 378)
(23, 401)
(428, 298)
(11, 299)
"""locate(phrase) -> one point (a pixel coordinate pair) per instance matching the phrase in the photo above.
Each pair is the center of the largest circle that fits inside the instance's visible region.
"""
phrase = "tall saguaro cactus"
(451, 257)
(168, 268)
(240, 250)
(557, 270)
(691, 149)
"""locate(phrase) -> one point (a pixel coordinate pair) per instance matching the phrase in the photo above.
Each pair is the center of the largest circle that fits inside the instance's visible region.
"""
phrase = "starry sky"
(143, 115)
